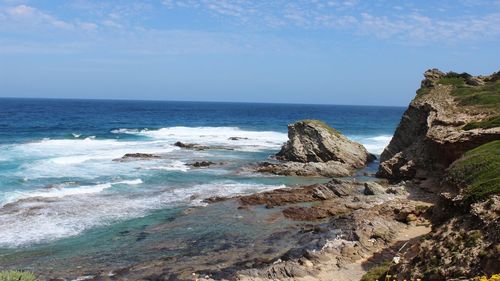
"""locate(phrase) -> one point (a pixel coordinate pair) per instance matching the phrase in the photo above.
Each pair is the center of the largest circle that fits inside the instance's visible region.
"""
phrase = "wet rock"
(190, 146)
(373, 188)
(140, 156)
(237, 138)
(215, 199)
(199, 164)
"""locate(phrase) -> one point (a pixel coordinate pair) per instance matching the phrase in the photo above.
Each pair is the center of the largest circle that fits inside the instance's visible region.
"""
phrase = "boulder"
(314, 141)
(315, 149)
(373, 188)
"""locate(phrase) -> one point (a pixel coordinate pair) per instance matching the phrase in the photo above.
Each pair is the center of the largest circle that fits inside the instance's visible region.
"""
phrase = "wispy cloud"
(29, 16)
(360, 18)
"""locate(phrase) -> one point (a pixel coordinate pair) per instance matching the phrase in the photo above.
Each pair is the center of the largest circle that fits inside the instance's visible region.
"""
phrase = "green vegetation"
(321, 124)
(485, 124)
(13, 275)
(473, 238)
(478, 171)
(487, 95)
(423, 91)
(377, 273)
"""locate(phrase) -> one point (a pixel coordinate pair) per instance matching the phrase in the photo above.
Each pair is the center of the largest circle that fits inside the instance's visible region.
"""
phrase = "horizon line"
(196, 101)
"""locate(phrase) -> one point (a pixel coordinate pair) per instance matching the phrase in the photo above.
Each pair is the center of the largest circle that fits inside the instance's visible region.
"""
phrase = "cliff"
(450, 134)
(451, 114)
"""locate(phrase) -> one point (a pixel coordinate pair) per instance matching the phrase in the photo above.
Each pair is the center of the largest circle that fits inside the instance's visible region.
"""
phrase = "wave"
(59, 191)
(374, 144)
(173, 166)
(38, 220)
(228, 136)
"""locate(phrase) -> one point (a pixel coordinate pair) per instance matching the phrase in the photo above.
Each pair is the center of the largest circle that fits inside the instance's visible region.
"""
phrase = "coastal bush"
(377, 273)
(14, 275)
(478, 172)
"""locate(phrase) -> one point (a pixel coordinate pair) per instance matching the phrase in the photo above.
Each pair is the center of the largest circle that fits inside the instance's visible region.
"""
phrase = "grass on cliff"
(321, 124)
(377, 273)
(13, 275)
(485, 124)
(487, 95)
(478, 172)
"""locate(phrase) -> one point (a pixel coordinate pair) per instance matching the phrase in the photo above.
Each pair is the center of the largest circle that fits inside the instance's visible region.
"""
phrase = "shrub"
(13, 275)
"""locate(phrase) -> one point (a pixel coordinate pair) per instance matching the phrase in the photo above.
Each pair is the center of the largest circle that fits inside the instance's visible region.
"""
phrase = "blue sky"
(309, 51)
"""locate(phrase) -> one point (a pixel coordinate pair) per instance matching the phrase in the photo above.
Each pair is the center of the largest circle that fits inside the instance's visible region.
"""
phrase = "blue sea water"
(64, 187)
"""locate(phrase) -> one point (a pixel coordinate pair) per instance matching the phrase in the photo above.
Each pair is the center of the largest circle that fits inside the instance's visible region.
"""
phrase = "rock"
(199, 164)
(306, 262)
(314, 141)
(433, 131)
(411, 218)
(398, 190)
(141, 156)
(373, 188)
(190, 146)
(237, 138)
(311, 169)
(310, 193)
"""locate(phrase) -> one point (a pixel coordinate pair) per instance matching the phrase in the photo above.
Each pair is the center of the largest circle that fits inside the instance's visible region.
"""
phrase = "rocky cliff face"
(452, 113)
(451, 134)
(315, 149)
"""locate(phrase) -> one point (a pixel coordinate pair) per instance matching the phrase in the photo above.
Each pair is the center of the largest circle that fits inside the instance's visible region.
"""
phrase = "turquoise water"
(64, 197)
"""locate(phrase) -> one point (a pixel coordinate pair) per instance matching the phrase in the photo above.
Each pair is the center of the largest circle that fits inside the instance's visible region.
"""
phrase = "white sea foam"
(172, 166)
(247, 140)
(33, 221)
(59, 191)
(86, 158)
(375, 144)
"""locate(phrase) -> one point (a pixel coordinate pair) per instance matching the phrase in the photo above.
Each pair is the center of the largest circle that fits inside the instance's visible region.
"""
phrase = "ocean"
(67, 197)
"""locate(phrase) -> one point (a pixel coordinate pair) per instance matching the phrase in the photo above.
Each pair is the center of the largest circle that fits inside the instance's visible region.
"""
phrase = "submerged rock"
(140, 156)
(237, 138)
(199, 164)
(190, 145)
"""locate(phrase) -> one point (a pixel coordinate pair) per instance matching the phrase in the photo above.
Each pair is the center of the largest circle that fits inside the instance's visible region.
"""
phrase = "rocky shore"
(433, 213)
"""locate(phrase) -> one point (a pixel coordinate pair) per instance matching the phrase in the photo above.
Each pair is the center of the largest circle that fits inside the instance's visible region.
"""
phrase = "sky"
(306, 51)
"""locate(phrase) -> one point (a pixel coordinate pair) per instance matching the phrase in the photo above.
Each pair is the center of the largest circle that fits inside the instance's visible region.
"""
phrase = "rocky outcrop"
(452, 113)
(314, 141)
(315, 149)
(137, 156)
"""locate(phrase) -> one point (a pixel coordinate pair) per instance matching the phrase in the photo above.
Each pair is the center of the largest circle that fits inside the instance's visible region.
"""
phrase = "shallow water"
(65, 199)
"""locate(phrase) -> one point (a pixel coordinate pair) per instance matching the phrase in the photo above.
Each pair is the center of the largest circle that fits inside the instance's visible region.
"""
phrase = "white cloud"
(29, 16)
(88, 26)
